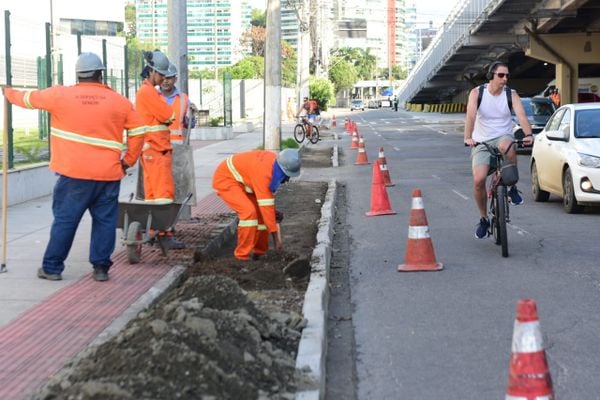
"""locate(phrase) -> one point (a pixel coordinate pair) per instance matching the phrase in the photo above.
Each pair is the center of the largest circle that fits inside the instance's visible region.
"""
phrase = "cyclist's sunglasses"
(502, 74)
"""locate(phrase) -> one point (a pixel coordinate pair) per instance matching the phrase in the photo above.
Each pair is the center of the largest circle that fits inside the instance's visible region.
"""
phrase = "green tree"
(289, 64)
(343, 74)
(364, 62)
(259, 18)
(322, 91)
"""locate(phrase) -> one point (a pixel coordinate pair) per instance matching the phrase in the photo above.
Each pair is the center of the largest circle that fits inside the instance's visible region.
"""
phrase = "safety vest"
(157, 115)
(88, 120)
(181, 110)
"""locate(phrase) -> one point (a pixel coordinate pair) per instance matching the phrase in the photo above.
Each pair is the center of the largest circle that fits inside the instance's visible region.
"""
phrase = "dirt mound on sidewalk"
(230, 331)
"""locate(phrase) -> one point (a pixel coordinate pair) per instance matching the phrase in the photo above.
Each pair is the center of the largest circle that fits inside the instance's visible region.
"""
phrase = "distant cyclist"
(308, 112)
(488, 119)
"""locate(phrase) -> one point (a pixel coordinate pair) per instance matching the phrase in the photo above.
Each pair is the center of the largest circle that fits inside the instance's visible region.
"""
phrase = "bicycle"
(300, 131)
(502, 175)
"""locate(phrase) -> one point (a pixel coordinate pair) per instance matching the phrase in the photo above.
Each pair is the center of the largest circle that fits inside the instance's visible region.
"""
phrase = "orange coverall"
(159, 186)
(242, 181)
(84, 148)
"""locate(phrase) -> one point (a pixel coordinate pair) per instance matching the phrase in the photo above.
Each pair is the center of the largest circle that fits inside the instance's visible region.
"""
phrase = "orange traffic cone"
(419, 249)
(528, 374)
(380, 203)
(333, 122)
(384, 169)
(361, 156)
(354, 139)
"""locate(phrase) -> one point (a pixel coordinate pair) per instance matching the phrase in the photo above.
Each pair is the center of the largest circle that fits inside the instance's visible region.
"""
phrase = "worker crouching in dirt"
(247, 183)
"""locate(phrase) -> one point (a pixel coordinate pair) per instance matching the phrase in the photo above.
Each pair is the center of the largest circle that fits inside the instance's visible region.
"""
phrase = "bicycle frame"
(497, 192)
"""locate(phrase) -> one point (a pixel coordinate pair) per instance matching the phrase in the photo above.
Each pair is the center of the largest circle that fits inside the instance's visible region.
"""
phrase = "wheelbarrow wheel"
(134, 250)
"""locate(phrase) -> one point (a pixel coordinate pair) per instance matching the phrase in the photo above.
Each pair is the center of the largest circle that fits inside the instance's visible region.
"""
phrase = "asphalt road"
(447, 334)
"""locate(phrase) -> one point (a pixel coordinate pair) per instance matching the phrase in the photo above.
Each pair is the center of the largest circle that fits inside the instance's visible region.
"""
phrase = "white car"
(565, 160)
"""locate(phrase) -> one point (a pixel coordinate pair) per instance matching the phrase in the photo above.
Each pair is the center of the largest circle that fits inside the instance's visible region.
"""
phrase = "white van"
(586, 85)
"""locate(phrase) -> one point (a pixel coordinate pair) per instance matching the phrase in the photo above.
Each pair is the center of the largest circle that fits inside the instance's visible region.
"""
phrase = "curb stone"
(312, 349)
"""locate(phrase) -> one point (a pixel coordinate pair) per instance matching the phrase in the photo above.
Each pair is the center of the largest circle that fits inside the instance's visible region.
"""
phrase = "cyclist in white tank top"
(491, 121)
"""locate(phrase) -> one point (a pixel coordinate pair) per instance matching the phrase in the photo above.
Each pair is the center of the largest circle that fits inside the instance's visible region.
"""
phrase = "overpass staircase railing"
(464, 18)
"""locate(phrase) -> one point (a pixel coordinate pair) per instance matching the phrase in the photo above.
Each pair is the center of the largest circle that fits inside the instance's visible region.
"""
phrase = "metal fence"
(35, 57)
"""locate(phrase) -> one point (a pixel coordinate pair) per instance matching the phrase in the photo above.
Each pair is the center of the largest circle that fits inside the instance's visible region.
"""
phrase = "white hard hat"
(172, 71)
(157, 61)
(87, 64)
(289, 161)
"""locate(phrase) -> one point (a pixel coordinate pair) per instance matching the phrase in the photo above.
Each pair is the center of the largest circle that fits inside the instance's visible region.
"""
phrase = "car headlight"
(585, 160)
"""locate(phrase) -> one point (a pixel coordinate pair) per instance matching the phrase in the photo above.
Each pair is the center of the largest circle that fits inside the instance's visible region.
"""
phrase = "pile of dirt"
(230, 331)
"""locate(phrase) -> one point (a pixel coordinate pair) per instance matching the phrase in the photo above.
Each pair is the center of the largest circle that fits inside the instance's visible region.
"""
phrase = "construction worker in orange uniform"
(180, 103)
(159, 186)
(247, 183)
(88, 120)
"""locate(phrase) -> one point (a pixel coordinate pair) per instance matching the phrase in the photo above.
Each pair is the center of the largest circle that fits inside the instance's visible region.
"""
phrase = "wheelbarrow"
(142, 222)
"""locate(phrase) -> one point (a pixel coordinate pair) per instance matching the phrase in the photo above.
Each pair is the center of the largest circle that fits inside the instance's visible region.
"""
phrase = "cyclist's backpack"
(509, 173)
(507, 90)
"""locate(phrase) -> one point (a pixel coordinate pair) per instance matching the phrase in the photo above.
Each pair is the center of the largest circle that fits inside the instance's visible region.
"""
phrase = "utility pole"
(178, 50)
(303, 52)
(272, 106)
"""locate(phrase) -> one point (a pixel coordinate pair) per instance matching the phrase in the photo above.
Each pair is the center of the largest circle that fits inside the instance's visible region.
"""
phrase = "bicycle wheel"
(314, 137)
(494, 219)
(502, 204)
(299, 133)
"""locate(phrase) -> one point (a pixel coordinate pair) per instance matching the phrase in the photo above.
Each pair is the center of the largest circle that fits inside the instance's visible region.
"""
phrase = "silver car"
(357, 105)
(565, 160)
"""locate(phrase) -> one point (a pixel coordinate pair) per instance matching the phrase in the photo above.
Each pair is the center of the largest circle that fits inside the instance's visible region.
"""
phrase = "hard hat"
(172, 71)
(289, 161)
(157, 61)
(87, 64)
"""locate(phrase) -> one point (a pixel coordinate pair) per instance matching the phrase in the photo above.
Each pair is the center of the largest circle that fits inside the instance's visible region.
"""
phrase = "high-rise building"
(215, 29)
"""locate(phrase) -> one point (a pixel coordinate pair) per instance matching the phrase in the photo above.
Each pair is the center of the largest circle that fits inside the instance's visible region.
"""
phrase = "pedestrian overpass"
(540, 40)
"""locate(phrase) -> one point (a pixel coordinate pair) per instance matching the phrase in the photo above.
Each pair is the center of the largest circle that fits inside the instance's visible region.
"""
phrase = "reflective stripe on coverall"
(159, 186)
(242, 181)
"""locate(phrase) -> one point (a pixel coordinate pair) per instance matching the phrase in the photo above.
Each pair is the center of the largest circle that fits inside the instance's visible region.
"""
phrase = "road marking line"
(435, 130)
(520, 231)
(437, 177)
(396, 148)
(459, 194)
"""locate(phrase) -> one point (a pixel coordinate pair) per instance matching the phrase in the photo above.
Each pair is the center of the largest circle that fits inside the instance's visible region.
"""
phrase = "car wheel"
(569, 201)
(538, 194)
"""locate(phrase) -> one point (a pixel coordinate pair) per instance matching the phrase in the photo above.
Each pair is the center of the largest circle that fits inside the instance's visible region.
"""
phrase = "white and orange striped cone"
(333, 122)
(354, 142)
(528, 375)
(361, 155)
(380, 202)
(419, 249)
(384, 169)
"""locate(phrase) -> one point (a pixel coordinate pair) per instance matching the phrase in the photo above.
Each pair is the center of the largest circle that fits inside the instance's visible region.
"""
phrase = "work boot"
(100, 273)
(173, 244)
(51, 277)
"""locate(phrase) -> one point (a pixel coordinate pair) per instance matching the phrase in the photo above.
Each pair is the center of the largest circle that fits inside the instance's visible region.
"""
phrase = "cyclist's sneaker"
(482, 228)
(515, 196)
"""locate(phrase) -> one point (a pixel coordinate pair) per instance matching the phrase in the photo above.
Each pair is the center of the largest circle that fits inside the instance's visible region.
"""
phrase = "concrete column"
(566, 51)
(177, 23)
(272, 113)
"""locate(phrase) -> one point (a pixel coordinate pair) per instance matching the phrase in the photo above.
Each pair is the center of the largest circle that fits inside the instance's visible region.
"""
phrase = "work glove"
(124, 166)
(278, 216)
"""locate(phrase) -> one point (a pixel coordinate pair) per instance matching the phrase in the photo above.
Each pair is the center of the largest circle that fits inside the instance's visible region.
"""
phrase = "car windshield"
(587, 123)
(356, 101)
(541, 108)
